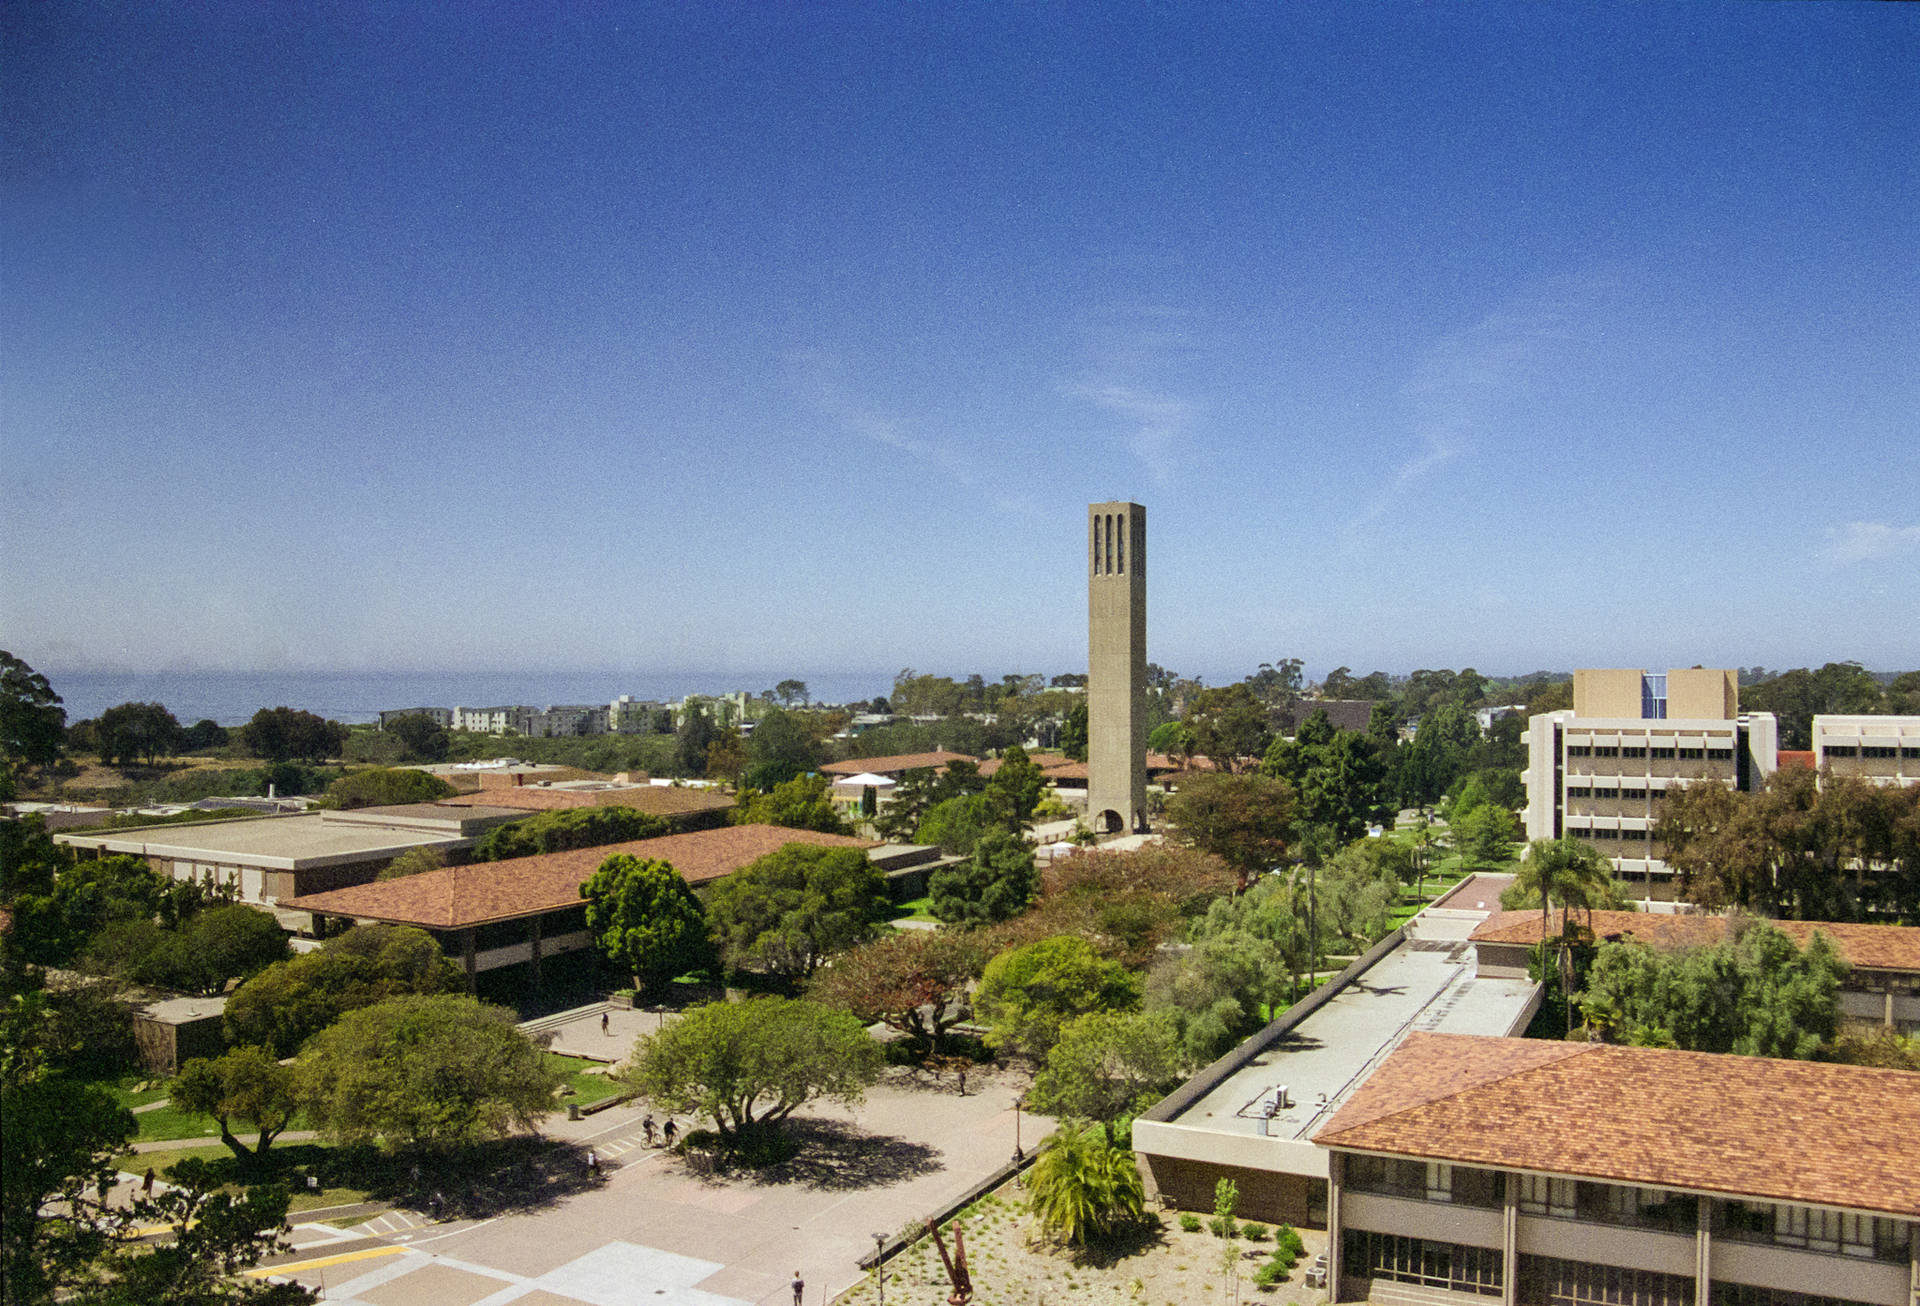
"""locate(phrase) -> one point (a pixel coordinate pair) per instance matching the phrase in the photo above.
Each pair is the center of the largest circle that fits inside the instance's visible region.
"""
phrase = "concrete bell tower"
(1116, 667)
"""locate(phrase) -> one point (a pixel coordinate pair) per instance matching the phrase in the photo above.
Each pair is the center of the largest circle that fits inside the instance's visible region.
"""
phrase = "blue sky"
(785, 339)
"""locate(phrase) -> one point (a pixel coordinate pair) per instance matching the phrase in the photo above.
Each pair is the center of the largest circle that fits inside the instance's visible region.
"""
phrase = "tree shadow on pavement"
(837, 1156)
(1126, 1241)
(482, 1180)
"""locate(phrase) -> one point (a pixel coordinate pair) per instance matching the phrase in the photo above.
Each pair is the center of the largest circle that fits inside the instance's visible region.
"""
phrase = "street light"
(879, 1271)
(1019, 1155)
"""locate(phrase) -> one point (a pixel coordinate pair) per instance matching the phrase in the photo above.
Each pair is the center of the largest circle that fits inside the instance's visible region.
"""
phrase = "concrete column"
(1334, 1172)
(1703, 1254)
(1510, 1241)
(466, 956)
(533, 948)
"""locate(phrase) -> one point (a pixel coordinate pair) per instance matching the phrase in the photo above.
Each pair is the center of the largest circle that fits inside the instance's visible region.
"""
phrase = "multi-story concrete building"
(1883, 749)
(1117, 667)
(1561, 1174)
(440, 716)
(487, 720)
(1600, 771)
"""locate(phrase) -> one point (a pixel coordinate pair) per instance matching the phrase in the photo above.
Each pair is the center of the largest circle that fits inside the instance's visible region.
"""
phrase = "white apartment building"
(1883, 749)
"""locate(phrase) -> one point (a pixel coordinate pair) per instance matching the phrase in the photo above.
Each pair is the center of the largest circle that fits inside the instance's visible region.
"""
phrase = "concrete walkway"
(655, 1229)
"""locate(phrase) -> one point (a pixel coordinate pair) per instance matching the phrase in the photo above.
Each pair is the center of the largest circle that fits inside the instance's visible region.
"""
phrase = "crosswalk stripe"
(322, 1262)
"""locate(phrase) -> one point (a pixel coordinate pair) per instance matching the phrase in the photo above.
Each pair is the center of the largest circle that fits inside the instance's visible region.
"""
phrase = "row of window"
(1881, 751)
(1811, 1228)
(1549, 1281)
(1392, 1256)
(1608, 791)
(1659, 754)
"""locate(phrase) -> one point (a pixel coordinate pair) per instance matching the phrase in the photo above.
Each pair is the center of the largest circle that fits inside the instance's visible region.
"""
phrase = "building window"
(1548, 1281)
(1646, 1208)
(1606, 750)
(1841, 750)
(1909, 754)
(1541, 1195)
(1692, 754)
(1579, 750)
(1399, 1259)
(1661, 754)
(1877, 750)
(1719, 754)
(1633, 752)
(1747, 1294)
(1812, 1228)
(1653, 697)
(1605, 793)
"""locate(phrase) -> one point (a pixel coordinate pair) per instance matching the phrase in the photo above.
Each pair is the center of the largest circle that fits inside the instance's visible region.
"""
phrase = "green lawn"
(137, 1088)
(587, 1089)
(915, 909)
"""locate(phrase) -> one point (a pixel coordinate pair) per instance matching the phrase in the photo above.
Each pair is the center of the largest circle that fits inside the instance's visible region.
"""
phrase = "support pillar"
(1703, 1255)
(1510, 1240)
(466, 956)
(533, 949)
(1334, 1171)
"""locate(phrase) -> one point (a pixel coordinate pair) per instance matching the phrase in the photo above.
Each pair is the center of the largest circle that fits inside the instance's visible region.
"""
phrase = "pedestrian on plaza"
(799, 1288)
(593, 1163)
(648, 1125)
(146, 1184)
(963, 1081)
(670, 1131)
(603, 1024)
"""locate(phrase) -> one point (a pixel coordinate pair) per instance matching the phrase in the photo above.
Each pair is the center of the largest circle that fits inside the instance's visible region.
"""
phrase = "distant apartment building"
(487, 720)
(1538, 1173)
(1882, 749)
(1600, 771)
(440, 716)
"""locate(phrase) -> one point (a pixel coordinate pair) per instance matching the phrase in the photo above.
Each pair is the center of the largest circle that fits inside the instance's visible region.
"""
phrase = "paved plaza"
(654, 1230)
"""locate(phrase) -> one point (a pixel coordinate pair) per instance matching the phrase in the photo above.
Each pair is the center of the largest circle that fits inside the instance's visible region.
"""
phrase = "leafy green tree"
(1574, 874)
(1796, 697)
(243, 1083)
(287, 1003)
(203, 736)
(387, 786)
(1754, 993)
(1229, 726)
(1073, 732)
(1355, 895)
(691, 741)
(282, 734)
(996, 883)
(1026, 995)
(1108, 1065)
(568, 828)
(32, 722)
(215, 946)
(802, 803)
(1484, 835)
(907, 804)
(423, 738)
(792, 908)
(1245, 820)
(1337, 774)
(645, 918)
(436, 1072)
(913, 981)
(747, 1066)
(958, 824)
(1015, 789)
(85, 897)
(414, 861)
(783, 747)
(136, 733)
(216, 1234)
(791, 692)
(1081, 1188)
(1217, 991)
(1441, 748)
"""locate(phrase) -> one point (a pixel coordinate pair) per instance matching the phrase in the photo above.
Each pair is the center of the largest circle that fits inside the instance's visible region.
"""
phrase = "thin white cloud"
(1160, 422)
(1462, 382)
(1869, 541)
(816, 377)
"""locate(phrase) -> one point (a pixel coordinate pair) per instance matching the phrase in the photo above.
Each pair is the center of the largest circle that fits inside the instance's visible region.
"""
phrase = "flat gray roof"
(1427, 983)
(281, 843)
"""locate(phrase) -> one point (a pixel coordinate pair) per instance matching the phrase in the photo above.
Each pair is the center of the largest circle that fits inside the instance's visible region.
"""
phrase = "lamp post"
(1019, 1154)
(879, 1270)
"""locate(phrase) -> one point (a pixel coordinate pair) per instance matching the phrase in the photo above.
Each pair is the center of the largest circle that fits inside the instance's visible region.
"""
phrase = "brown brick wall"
(1264, 1195)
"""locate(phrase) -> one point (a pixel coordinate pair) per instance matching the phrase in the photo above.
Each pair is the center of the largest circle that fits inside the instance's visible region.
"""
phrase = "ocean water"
(231, 697)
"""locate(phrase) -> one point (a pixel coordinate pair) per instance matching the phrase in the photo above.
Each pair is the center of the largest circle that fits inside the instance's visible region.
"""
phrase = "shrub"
(1254, 1233)
(1287, 1241)
(1189, 1222)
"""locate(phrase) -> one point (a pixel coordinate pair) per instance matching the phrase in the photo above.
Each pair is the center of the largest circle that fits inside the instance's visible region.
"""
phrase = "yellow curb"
(297, 1267)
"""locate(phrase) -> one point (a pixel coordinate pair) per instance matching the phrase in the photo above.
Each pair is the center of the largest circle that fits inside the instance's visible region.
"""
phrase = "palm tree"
(1575, 873)
(1080, 1187)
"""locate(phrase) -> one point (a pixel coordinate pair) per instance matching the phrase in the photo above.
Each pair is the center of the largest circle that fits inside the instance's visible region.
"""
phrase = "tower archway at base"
(1110, 822)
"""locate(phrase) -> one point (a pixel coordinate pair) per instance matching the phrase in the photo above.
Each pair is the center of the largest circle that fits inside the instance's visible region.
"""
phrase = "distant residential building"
(1600, 771)
(440, 716)
(1883, 749)
(487, 720)
(565, 721)
(627, 715)
(1531, 1172)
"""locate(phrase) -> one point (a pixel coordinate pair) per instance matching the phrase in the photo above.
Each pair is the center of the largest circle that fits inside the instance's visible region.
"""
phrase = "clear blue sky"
(795, 338)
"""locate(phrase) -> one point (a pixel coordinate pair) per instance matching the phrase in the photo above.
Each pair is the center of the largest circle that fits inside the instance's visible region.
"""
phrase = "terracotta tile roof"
(1789, 1131)
(898, 762)
(1786, 757)
(1871, 947)
(656, 800)
(1042, 760)
(460, 896)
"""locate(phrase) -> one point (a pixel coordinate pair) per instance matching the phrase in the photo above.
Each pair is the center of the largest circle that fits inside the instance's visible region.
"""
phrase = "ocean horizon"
(232, 697)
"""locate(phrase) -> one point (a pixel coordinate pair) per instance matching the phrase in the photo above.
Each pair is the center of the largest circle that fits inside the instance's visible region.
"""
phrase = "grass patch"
(915, 909)
(168, 1122)
(587, 1088)
(136, 1088)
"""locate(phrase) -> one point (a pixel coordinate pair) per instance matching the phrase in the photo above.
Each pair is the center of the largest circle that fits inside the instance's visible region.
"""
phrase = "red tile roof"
(1870, 947)
(1789, 1131)
(656, 800)
(1042, 760)
(1786, 757)
(460, 896)
(898, 762)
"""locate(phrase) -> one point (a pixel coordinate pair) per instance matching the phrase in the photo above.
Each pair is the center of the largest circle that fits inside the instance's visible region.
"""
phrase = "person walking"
(799, 1288)
(146, 1184)
(603, 1024)
(670, 1131)
(593, 1163)
(648, 1125)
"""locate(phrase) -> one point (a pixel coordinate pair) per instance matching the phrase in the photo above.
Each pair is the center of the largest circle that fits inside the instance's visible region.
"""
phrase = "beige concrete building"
(1883, 749)
(1601, 771)
(1116, 667)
